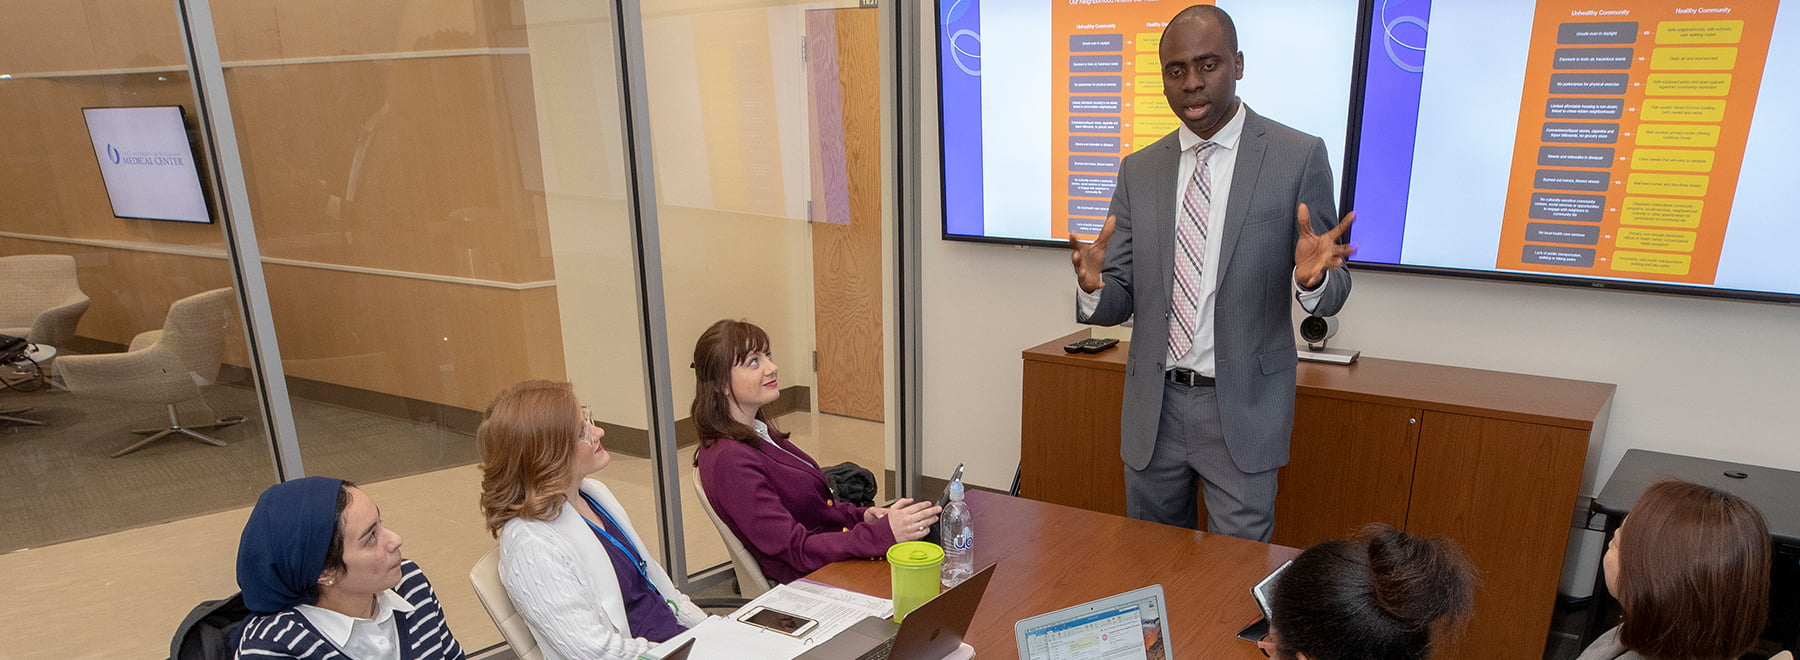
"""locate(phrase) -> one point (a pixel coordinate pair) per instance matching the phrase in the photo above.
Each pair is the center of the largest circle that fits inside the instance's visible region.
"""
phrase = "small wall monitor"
(147, 163)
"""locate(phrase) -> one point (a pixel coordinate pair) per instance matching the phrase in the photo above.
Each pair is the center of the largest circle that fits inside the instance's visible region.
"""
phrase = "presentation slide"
(1042, 99)
(1635, 142)
(147, 163)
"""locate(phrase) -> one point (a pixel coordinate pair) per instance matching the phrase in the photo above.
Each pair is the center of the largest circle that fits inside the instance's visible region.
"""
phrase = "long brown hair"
(527, 440)
(1693, 573)
(725, 345)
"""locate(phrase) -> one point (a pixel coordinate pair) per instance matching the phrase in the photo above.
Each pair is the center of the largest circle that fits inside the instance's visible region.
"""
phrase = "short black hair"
(1206, 12)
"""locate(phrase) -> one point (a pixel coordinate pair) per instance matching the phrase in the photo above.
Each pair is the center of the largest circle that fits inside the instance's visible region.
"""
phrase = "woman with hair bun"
(1690, 567)
(1385, 596)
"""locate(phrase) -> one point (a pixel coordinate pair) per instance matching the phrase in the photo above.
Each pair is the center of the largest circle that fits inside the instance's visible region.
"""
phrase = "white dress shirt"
(1221, 164)
(374, 638)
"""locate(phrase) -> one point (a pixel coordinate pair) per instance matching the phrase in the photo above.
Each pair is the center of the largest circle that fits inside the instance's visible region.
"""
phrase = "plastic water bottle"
(958, 535)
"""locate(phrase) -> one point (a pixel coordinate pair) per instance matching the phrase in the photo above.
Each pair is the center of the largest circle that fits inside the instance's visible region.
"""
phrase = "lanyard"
(630, 553)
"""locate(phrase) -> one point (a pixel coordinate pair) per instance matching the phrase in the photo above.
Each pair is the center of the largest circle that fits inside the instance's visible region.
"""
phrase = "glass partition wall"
(442, 199)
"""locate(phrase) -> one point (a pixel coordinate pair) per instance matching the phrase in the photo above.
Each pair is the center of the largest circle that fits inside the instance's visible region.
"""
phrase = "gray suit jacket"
(1277, 169)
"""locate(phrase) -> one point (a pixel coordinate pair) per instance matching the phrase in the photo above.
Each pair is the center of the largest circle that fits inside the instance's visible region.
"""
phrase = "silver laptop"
(1134, 624)
(930, 632)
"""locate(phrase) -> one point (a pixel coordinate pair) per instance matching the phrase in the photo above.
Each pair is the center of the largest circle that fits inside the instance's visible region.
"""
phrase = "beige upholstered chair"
(492, 594)
(751, 582)
(164, 366)
(40, 299)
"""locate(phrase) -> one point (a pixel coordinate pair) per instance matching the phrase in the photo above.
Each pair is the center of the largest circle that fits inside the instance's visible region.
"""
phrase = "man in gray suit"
(1213, 229)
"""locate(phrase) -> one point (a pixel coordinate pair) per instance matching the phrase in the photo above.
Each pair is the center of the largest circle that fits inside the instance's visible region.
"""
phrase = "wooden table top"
(1052, 556)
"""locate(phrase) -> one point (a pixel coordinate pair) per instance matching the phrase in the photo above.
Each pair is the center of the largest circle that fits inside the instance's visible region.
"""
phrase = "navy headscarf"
(282, 551)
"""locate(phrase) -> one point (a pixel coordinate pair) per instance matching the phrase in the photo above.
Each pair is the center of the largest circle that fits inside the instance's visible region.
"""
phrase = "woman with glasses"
(569, 558)
(770, 494)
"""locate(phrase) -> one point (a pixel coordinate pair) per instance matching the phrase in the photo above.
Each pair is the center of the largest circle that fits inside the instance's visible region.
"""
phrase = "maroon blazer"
(782, 509)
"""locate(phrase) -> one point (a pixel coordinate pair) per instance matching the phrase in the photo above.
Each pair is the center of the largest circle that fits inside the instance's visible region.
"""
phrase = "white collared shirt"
(374, 638)
(1221, 165)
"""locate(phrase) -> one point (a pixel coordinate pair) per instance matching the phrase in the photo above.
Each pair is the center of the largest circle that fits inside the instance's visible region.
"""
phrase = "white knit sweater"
(561, 580)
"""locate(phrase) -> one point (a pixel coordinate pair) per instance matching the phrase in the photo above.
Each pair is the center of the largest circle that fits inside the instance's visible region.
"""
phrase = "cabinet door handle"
(1412, 420)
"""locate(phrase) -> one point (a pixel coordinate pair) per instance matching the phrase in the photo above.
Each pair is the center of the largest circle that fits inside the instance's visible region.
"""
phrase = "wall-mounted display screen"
(1040, 99)
(1642, 145)
(147, 163)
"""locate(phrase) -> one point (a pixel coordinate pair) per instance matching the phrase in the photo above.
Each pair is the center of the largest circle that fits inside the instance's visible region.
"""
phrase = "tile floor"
(121, 594)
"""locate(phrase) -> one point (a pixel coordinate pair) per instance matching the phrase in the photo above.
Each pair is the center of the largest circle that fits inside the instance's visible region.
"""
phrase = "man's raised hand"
(1088, 258)
(1316, 253)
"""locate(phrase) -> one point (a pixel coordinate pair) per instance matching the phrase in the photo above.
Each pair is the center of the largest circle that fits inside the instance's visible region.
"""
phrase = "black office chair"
(211, 630)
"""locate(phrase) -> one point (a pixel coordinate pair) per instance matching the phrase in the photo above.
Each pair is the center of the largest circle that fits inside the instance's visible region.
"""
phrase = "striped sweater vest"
(423, 633)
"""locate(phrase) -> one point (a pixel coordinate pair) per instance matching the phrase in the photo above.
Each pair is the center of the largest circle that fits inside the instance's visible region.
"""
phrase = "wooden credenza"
(1490, 459)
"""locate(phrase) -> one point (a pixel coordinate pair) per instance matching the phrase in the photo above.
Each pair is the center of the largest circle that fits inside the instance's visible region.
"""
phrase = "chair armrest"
(152, 375)
(56, 326)
(145, 339)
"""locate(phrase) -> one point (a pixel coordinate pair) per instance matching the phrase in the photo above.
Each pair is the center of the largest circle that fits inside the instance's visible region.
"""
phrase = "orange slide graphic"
(1106, 96)
(1632, 128)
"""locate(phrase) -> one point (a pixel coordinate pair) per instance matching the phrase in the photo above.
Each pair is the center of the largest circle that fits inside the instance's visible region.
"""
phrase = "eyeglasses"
(587, 421)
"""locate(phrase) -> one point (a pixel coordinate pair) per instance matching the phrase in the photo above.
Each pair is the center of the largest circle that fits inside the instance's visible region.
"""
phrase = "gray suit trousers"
(1190, 446)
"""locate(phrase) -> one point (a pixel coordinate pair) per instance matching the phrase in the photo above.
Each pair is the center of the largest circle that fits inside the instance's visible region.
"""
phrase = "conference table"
(1051, 556)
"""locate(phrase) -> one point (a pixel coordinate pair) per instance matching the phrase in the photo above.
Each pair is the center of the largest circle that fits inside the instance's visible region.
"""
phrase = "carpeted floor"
(57, 482)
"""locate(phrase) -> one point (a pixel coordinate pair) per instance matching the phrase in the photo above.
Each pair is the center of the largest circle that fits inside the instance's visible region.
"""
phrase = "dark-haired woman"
(1384, 596)
(325, 579)
(571, 562)
(772, 495)
(1690, 567)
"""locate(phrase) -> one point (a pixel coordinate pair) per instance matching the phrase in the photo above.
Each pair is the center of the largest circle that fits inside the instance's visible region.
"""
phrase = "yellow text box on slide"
(1685, 185)
(1693, 59)
(1138, 142)
(1651, 262)
(1147, 42)
(1677, 135)
(1661, 212)
(1149, 104)
(1688, 84)
(1147, 84)
(1673, 160)
(1158, 126)
(1149, 63)
(1682, 110)
(1699, 32)
(1656, 239)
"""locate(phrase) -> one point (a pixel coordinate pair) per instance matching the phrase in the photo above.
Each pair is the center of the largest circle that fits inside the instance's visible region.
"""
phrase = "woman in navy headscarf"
(325, 580)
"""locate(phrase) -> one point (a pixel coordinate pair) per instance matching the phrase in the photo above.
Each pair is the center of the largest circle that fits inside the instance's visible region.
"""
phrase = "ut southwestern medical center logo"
(143, 157)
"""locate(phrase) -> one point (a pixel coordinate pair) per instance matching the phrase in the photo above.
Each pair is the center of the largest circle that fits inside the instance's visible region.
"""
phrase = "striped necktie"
(1190, 254)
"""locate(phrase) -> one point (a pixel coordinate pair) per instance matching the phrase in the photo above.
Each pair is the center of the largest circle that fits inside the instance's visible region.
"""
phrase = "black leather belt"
(1188, 377)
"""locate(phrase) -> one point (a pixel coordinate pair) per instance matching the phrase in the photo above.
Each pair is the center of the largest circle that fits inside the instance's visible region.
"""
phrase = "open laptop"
(929, 633)
(1132, 625)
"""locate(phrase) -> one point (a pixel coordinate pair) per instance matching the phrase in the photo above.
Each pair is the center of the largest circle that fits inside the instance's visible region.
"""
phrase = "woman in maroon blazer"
(770, 493)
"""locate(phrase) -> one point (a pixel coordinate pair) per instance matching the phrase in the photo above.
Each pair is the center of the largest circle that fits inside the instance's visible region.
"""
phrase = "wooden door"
(844, 109)
(1502, 490)
(1351, 464)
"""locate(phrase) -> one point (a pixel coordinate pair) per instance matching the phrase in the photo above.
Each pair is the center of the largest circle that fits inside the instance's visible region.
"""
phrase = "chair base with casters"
(13, 417)
(175, 428)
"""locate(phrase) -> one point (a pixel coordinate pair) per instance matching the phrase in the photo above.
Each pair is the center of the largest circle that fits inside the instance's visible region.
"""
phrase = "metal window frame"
(218, 136)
